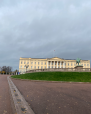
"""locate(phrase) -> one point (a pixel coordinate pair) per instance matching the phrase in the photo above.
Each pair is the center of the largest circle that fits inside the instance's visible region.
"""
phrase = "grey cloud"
(37, 28)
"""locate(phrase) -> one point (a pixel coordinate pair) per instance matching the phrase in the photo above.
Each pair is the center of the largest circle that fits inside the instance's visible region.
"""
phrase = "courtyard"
(56, 98)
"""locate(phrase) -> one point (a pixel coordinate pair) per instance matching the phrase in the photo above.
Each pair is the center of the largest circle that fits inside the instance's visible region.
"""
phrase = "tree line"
(5, 69)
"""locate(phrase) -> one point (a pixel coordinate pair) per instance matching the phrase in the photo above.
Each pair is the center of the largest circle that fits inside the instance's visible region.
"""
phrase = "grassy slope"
(57, 76)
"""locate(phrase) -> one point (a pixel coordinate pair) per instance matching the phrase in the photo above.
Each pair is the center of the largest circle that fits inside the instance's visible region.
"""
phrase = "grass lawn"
(57, 76)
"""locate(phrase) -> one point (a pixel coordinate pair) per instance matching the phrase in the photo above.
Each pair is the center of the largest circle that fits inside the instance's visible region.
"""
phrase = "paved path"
(56, 98)
(5, 103)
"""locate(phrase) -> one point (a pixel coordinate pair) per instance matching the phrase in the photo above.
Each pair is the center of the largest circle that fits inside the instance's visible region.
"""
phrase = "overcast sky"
(35, 28)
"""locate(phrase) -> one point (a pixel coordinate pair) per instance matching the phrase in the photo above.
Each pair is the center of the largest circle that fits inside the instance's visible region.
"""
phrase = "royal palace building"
(46, 63)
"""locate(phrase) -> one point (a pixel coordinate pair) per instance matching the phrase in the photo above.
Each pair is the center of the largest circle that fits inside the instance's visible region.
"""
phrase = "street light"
(26, 67)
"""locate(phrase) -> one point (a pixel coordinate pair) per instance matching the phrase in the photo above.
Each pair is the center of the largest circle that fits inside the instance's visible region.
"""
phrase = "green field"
(57, 76)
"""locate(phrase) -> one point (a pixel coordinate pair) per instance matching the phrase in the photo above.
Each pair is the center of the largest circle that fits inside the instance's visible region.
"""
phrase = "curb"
(51, 81)
(20, 105)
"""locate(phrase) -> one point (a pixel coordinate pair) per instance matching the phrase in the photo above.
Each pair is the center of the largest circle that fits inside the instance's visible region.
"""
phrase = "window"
(31, 62)
(45, 63)
(31, 67)
(38, 67)
(24, 66)
(68, 64)
(65, 63)
(84, 64)
(27, 62)
(35, 62)
(55, 63)
(71, 64)
(21, 66)
(21, 62)
(58, 63)
(45, 67)
(41, 67)
(48, 63)
(52, 66)
(41, 63)
(48, 66)
(61, 63)
(24, 62)
(74, 64)
(87, 64)
(35, 67)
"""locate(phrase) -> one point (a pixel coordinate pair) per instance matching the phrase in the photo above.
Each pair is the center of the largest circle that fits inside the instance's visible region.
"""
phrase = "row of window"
(55, 64)
(38, 63)
(81, 64)
(24, 62)
(44, 67)
(32, 63)
(41, 67)
(41, 63)
(72, 64)
(38, 67)
(85, 64)
(34, 67)
(52, 63)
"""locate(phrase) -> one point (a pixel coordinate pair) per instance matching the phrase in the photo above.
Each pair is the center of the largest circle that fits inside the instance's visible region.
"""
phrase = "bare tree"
(6, 69)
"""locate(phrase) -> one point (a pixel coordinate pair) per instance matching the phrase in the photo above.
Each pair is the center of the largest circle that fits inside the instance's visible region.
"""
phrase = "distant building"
(45, 63)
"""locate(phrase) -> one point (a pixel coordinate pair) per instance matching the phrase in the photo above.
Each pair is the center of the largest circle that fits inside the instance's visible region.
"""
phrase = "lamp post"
(26, 67)
(0, 70)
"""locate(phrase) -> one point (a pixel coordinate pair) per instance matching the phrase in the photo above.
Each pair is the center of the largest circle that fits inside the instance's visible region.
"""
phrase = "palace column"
(60, 65)
(51, 64)
(57, 64)
(54, 64)
(64, 65)
(47, 64)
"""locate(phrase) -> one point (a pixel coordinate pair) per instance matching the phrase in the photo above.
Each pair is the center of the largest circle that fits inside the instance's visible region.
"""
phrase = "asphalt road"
(56, 98)
(5, 102)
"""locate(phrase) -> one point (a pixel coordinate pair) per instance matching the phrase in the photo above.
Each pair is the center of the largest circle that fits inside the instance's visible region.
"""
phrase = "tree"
(6, 69)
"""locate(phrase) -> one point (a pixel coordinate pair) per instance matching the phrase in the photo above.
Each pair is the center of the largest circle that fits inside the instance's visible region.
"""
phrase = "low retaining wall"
(61, 70)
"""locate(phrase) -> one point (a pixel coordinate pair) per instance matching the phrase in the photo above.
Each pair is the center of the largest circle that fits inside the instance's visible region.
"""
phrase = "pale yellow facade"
(40, 63)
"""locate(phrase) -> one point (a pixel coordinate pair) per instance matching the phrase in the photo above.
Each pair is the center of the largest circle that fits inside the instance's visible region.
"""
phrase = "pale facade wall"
(49, 63)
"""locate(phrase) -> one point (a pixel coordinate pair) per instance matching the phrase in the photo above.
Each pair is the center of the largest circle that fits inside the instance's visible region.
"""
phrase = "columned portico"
(59, 64)
(55, 64)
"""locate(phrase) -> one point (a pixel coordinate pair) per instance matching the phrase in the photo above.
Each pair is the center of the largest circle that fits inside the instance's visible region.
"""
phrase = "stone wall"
(61, 70)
